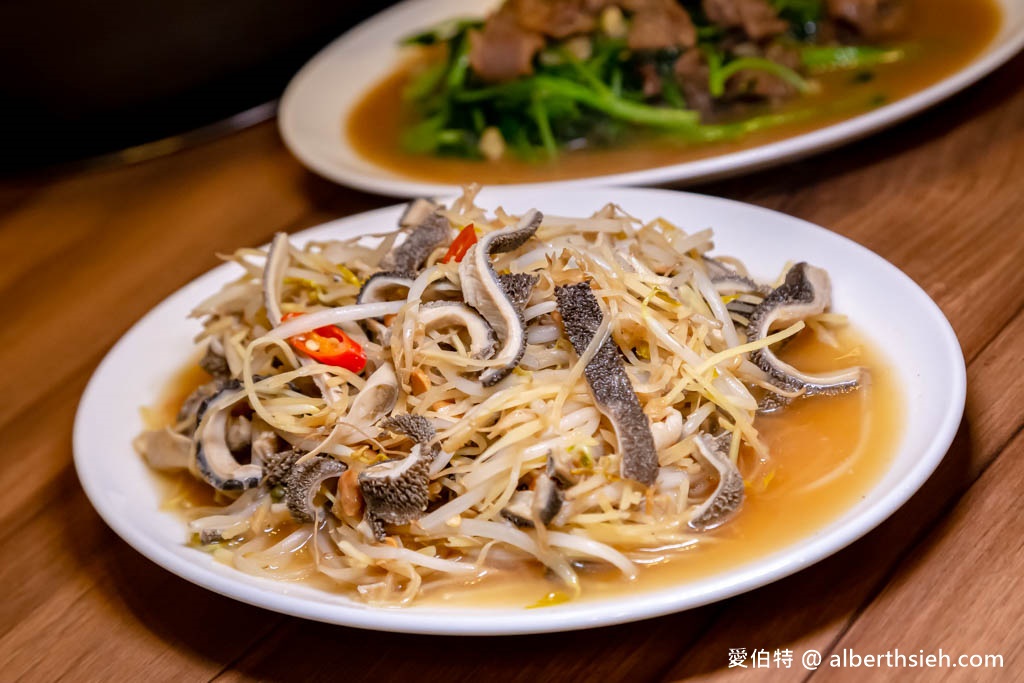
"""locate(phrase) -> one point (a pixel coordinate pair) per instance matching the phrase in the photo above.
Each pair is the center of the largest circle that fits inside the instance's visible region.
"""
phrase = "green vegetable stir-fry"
(538, 77)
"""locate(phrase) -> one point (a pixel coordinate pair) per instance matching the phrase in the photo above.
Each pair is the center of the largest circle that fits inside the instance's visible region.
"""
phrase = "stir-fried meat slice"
(556, 18)
(650, 78)
(786, 55)
(761, 84)
(692, 73)
(659, 24)
(757, 18)
(870, 18)
(503, 50)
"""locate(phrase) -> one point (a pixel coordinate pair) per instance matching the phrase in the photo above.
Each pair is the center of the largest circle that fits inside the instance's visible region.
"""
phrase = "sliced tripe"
(518, 288)
(541, 504)
(416, 212)
(482, 289)
(395, 491)
(442, 314)
(805, 292)
(387, 285)
(376, 399)
(278, 465)
(303, 484)
(727, 498)
(609, 384)
(210, 453)
(431, 231)
(264, 441)
(727, 280)
(164, 449)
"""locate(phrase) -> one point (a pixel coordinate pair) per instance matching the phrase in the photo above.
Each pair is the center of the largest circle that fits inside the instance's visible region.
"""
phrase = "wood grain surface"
(87, 253)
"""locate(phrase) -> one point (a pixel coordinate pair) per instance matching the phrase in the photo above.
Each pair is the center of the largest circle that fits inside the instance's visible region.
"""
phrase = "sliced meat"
(210, 451)
(659, 25)
(385, 285)
(265, 442)
(757, 18)
(277, 466)
(376, 399)
(417, 211)
(692, 74)
(441, 314)
(872, 19)
(503, 50)
(650, 79)
(556, 18)
(761, 84)
(187, 413)
(754, 83)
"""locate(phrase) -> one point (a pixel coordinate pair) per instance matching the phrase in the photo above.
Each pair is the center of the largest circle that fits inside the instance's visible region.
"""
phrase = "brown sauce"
(181, 492)
(827, 453)
(164, 412)
(946, 35)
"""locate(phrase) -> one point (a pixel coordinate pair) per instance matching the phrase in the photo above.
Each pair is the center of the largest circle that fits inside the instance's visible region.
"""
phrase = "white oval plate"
(319, 98)
(896, 313)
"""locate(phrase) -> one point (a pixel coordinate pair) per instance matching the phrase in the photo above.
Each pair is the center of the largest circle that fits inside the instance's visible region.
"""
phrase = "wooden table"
(86, 254)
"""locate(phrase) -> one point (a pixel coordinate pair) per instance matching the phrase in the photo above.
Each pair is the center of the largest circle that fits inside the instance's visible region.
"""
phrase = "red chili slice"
(329, 345)
(460, 245)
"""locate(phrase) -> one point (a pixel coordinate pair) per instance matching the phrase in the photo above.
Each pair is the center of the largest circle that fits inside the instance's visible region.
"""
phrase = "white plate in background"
(316, 104)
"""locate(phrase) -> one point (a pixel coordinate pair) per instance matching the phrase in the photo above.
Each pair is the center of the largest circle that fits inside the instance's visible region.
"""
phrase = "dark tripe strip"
(727, 498)
(727, 280)
(525, 508)
(395, 491)
(213, 458)
(416, 427)
(278, 465)
(609, 383)
(303, 483)
(434, 314)
(410, 255)
(484, 290)
(518, 288)
(384, 286)
(806, 292)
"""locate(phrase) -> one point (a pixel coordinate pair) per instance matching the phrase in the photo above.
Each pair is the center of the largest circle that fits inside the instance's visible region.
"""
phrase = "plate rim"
(815, 546)
(716, 167)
